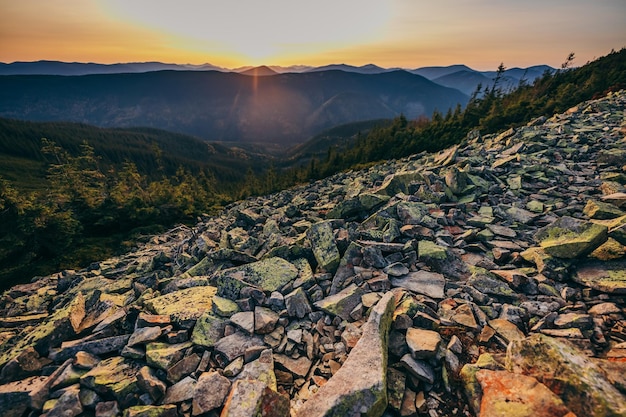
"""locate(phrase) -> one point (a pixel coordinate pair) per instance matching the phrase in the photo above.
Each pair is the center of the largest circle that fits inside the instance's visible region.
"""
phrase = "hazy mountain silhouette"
(464, 81)
(261, 71)
(79, 68)
(219, 106)
(365, 69)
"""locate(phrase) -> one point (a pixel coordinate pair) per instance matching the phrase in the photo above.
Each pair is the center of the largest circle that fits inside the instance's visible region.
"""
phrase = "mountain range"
(460, 77)
(285, 108)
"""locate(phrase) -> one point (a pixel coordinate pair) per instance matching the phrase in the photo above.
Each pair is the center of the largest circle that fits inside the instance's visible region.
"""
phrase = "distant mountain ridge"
(218, 106)
(460, 77)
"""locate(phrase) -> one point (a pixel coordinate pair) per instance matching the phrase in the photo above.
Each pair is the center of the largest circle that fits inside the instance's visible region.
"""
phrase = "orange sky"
(396, 33)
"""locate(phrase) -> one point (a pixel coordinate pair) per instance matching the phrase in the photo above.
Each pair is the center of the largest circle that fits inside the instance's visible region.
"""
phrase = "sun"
(258, 30)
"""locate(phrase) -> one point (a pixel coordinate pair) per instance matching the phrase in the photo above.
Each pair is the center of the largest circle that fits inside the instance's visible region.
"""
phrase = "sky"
(235, 33)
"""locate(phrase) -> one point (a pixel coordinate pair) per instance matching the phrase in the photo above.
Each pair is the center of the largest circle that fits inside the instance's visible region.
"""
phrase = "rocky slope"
(486, 280)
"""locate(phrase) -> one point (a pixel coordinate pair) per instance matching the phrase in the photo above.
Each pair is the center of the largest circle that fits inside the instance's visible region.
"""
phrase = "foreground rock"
(358, 388)
(485, 280)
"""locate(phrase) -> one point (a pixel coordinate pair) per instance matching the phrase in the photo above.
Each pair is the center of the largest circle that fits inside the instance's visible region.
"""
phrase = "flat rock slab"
(95, 347)
(183, 304)
(430, 284)
(359, 386)
(609, 277)
(267, 275)
(568, 237)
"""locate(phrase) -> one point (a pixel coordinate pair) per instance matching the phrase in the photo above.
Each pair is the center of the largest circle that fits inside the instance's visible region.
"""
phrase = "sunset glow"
(397, 33)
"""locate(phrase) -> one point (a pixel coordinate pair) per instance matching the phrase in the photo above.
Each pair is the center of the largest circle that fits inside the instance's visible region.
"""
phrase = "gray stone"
(299, 367)
(418, 368)
(143, 335)
(244, 320)
(95, 347)
(261, 369)
(181, 391)
(68, 404)
(183, 367)
(264, 320)
(297, 303)
(234, 345)
(210, 392)
(342, 303)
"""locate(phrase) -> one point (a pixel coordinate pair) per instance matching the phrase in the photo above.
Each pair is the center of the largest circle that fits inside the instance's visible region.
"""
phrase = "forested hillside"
(282, 109)
(488, 111)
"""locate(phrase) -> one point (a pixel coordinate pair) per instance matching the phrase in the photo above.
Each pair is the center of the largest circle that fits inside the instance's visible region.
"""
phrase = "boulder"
(431, 284)
(189, 303)
(561, 367)
(568, 237)
(342, 303)
(507, 394)
(609, 277)
(267, 275)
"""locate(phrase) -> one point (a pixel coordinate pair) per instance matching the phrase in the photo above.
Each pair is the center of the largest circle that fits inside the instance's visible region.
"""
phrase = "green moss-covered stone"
(428, 250)
(342, 303)
(571, 238)
(324, 247)
(601, 210)
(57, 328)
(208, 330)
(168, 410)
(399, 182)
(190, 302)
(471, 385)
(268, 275)
(115, 376)
(224, 307)
(164, 355)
